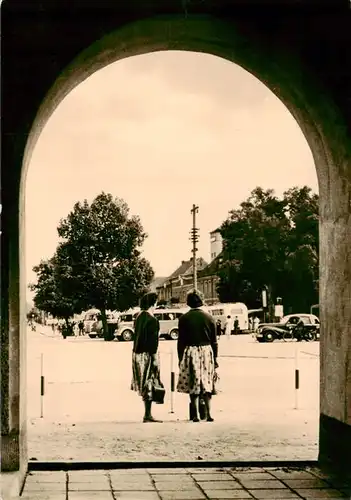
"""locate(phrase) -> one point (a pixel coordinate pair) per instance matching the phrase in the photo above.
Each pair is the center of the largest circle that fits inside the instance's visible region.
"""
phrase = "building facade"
(181, 281)
(216, 243)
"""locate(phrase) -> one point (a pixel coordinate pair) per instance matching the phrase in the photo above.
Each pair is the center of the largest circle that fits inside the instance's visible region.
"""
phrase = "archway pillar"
(14, 457)
(335, 315)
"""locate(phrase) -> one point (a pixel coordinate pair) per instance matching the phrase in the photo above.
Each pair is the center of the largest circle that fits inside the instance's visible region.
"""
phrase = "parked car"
(167, 317)
(125, 326)
(300, 326)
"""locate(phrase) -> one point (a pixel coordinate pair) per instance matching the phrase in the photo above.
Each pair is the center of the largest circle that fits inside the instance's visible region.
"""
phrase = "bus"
(89, 319)
(235, 309)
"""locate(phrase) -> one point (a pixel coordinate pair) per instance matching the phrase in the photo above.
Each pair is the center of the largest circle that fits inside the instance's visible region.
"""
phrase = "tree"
(54, 292)
(302, 263)
(271, 243)
(102, 244)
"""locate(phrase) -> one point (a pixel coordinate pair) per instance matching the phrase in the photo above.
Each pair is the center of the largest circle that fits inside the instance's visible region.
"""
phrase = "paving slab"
(136, 495)
(175, 470)
(228, 494)
(128, 473)
(306, 483)
(35, 495)
(97, 486)
(325, 493)
(207, 470)
(182, 495)
(252, 476)
(137, 479)
(87, 478)
(133, 487)
(215, 476)
(274, 494)
(171, 477)
(292, 474)
(46, 477)
(90, 495)
(175, 486)
(268, 484)
(53, 487)
(220, 485)
(87, 472)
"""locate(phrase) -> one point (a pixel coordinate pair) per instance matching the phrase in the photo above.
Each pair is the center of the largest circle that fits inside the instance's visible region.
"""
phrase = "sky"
(163, 131)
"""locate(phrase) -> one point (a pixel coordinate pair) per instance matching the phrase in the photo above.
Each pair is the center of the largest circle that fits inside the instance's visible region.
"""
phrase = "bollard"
(41, 386)
(172, 384)
(297, 377)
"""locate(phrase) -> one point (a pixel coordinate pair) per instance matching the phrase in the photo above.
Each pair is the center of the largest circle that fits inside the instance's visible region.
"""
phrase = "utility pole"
(194, 238)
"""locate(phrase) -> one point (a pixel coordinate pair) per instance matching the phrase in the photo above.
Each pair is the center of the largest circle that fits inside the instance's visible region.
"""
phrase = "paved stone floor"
(188, 484)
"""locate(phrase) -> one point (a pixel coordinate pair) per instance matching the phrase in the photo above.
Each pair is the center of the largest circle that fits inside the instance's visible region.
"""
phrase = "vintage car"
(298, 326)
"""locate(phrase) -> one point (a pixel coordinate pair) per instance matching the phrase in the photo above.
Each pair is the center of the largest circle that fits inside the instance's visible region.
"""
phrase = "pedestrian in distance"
(256, 322)
(219, 328)
(228, 327)
(197, 355)
(81, 327)
(145, 362)
(236, 325)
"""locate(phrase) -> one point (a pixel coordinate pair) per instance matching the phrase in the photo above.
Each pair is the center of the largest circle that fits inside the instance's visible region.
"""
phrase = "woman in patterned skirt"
(145, 363)
(197, 354)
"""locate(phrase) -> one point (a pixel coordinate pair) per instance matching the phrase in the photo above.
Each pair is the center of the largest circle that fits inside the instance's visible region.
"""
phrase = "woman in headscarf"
(145, 363)
(197, 354)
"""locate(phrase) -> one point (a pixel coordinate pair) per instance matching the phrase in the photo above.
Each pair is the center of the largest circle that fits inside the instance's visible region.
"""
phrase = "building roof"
(156, 282)
(185, 268)
(182, 269)
(211, 268)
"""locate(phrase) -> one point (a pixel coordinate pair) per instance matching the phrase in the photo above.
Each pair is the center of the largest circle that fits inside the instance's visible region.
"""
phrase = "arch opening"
(224, 172)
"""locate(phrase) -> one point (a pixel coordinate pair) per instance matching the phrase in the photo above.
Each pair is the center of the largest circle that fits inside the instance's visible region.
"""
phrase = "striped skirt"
(196, 370)
(143, 374)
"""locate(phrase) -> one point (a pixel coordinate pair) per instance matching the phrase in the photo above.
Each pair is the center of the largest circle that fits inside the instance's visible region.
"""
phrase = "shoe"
(151, 419)
(210, 419)
(196, 419)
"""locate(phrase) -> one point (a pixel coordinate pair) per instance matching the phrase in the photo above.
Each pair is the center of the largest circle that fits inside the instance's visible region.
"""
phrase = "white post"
(172, 383)
(41, 385)
(297, 376)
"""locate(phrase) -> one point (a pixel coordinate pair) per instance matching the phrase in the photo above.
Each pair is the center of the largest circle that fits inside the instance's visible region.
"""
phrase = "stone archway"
(282, 49)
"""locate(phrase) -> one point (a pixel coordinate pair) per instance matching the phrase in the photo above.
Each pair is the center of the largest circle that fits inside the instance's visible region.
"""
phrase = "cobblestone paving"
(188, 484)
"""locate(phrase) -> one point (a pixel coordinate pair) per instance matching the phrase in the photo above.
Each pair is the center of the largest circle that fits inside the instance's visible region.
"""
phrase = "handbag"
(158, 391)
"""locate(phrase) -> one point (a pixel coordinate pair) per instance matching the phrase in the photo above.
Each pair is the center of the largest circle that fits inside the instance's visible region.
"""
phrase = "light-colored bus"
(235, 310)
(89, 319)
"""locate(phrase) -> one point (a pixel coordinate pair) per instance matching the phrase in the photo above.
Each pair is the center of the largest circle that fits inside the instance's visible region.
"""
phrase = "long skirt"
(196, 371)
(144, 373)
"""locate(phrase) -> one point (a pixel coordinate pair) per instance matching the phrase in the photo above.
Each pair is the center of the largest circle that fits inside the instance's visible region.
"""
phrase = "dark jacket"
(146, 330)
(197, 327)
